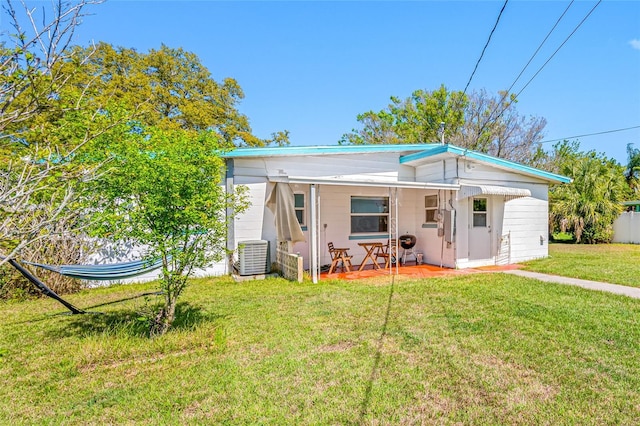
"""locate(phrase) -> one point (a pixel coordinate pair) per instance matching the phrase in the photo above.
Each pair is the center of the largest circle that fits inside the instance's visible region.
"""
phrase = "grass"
(474, 349)
(612, 263)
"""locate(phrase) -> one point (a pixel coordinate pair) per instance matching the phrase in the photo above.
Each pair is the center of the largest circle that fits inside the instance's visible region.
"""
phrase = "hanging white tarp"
(281, 202)
(508, 192)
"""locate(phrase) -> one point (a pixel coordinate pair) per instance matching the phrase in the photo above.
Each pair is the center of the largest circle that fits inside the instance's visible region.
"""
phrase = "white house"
(465, 208)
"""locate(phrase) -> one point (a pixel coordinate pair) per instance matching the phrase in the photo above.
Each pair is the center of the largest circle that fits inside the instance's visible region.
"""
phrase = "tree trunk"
(172, 286)
(164, 319)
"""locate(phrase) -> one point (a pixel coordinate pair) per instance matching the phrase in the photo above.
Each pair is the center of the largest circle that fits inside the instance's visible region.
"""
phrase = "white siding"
(462, 233)
(526, 221)
(335, 213)
(433, 247)
(250, 225)
(383, 167)
(479, 172)
(441, 171)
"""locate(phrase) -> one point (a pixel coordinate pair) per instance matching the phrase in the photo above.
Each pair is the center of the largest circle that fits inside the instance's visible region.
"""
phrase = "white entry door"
(479, 229)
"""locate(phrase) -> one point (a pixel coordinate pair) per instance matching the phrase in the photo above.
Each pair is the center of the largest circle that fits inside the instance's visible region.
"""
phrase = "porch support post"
(390, 230)
(230, 213)
(313, 247)
(395, 195)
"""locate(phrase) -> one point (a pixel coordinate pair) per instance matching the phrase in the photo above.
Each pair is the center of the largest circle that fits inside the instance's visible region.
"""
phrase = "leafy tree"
(588, 205)
(492, 125)
(60, 119)
(171, 89)
(164, 192)
(478, 121)
(413, 120)
(29, 55)
(37, 182)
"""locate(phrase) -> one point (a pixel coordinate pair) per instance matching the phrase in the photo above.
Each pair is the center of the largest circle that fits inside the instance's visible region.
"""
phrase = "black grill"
(407, 241)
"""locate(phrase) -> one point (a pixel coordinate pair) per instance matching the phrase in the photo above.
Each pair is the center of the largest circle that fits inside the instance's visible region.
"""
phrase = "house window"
(369, 214)
(479, 212)
(430, 208)
(299, 208)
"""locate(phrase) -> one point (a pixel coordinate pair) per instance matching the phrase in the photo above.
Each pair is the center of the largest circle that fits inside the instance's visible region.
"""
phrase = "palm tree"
(589, 205)
(632, 174)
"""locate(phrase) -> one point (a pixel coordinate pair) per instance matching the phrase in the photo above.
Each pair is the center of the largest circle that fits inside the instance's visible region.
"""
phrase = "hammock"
(112, 271)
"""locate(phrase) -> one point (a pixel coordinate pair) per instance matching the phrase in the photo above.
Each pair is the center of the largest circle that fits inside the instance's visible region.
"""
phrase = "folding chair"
(339, 256)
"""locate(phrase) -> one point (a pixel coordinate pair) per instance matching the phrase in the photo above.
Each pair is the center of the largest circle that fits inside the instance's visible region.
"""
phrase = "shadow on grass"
(366, 401)
(87, 310)
(126, 299)
(127, 322)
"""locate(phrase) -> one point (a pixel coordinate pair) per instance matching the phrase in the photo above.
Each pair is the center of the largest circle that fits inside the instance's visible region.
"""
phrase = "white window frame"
(431, 208)
(385, 205)
(480, 213)
(302, 209)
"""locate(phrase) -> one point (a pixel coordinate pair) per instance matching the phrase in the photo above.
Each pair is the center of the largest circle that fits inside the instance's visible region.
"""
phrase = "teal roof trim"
(474, 155)
(322, 150)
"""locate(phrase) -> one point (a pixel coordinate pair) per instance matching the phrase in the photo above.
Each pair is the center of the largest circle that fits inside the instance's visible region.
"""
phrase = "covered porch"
(355, 214)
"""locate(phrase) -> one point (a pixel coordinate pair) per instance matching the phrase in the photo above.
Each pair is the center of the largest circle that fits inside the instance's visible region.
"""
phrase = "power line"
(508, 91)
(485, 46)
(535, 53)
(559, 47)
(542, 67)
(591, 134)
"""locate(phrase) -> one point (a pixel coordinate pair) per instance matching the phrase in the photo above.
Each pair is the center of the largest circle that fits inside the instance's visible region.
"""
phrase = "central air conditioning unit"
(253, 257)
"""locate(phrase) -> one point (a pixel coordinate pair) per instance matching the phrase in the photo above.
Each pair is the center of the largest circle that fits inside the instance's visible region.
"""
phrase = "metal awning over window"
(509, 193)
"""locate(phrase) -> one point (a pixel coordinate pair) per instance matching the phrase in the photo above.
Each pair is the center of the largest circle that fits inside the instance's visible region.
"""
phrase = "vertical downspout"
(313, 247)
(230, 213)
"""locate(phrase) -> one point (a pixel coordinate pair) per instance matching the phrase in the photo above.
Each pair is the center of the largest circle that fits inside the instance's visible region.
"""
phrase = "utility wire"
(533, 56)
(508, 91)
(559, 47)
(591, 134)
(540, 69)
(485, 46)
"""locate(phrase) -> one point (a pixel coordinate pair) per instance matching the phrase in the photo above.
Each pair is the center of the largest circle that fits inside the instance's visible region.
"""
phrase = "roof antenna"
(441, 132)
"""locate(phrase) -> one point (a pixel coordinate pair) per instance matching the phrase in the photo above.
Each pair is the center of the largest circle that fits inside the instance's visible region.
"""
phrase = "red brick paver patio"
(412, 270)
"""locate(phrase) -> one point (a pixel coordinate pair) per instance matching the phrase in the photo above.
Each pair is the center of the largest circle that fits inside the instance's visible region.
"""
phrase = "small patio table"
(370, 248)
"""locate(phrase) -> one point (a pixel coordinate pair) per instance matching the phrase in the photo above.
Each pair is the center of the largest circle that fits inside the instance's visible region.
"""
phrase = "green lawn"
(474, 349)
(612, 263)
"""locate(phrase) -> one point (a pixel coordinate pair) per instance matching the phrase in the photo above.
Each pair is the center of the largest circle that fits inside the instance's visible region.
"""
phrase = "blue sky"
(311, 67)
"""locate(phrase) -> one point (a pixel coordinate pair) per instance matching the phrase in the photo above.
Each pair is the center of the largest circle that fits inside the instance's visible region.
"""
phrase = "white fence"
(626, 228)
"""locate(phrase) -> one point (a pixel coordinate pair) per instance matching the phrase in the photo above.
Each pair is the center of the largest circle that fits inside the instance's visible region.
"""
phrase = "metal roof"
(478, 156)
(277, 151)
(413, 154)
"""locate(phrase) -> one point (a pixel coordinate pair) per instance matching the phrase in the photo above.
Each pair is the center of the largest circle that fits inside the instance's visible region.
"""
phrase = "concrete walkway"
(591, 285)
